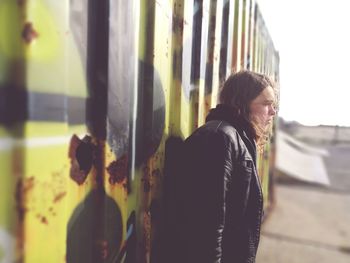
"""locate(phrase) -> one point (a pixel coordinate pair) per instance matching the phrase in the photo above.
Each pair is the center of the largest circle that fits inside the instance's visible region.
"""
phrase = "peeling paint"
(22, 188)
(44, 220)
(29, 33)
(118, 170)
(59, 197)
(21, 2)
(52, 212)
(178, 24)
(96, 225)
(79, 176)
(81, 153)
(147, 231)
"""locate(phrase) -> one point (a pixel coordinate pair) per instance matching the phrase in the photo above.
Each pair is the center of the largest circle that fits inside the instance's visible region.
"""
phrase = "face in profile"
(262, 108)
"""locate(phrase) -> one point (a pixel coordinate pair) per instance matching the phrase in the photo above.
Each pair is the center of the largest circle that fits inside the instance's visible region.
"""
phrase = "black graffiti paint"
(94, 231)
(97, 67)
(150, 113)
(128, 249)
(13, 105)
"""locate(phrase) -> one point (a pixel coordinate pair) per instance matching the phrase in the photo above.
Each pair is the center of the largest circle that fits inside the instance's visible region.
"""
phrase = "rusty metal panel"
(91, 94)
(256, 39)
(237, 36)
(216, 53)
(204, 65)
(251, 35)
(245, 33)
(211, 55)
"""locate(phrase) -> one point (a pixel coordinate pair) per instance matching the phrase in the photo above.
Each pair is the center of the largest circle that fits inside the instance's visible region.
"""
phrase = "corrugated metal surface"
(90, 92)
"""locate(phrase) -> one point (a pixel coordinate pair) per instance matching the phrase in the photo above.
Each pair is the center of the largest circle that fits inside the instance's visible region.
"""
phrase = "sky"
(313, 40)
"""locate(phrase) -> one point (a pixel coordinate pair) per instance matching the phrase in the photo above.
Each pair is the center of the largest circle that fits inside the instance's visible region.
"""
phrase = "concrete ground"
(311, 224)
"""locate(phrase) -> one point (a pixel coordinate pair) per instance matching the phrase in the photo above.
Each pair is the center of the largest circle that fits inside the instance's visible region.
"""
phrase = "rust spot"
(81, 154)
(147, 230)
(178, 23)
(73, 145)
(21, 2)
(22, 188)
(28, 184)
(29, 33)
(59, 197)
(76, 174)
(118, 170)
(44, 220)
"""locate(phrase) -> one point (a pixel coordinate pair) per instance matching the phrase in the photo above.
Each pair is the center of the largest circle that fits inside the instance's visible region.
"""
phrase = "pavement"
(310, 223)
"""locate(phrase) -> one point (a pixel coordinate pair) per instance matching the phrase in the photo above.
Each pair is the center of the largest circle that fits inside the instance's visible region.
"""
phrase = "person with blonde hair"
(220, 197)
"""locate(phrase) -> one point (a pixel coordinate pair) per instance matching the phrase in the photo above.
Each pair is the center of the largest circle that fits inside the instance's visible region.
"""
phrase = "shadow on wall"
(166, 246)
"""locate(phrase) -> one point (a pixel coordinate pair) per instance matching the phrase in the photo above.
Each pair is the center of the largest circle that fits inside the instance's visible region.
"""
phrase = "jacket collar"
(245, 129)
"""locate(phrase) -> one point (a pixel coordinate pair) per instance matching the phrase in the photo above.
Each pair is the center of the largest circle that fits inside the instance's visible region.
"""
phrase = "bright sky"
(313, 39)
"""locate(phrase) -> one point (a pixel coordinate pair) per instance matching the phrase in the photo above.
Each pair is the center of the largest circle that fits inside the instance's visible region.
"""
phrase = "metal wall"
(91, 92)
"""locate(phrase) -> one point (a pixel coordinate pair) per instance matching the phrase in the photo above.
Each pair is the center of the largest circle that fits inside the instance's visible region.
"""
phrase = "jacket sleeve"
(210, 167)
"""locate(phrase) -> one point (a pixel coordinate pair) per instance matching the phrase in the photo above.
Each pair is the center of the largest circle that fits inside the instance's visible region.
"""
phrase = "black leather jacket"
(220, 196)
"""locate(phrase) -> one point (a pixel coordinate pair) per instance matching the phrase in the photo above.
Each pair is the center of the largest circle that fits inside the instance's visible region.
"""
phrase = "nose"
(272, 110)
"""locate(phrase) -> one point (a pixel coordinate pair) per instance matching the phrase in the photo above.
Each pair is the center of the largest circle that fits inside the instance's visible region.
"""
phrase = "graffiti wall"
(92, 95)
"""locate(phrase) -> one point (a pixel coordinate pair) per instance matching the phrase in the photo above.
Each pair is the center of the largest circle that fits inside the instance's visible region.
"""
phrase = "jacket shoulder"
(225, 129)
(229, 134)
(220, 130)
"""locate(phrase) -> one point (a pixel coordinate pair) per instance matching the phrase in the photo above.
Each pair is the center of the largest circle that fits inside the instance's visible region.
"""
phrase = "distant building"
(316, 134)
